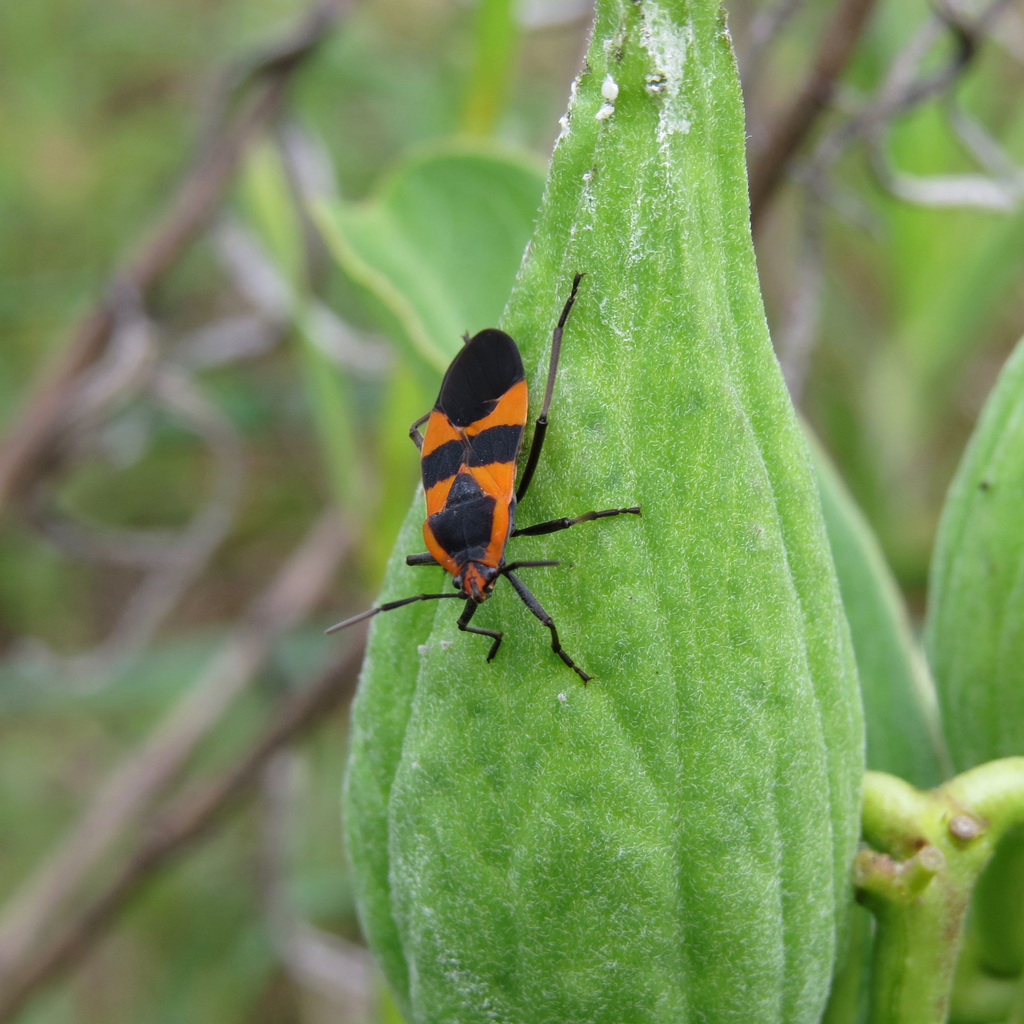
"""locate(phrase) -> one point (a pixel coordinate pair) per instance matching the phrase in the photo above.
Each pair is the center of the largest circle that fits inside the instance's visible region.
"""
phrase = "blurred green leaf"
(272, 210)
(673, 841)
(974, 635)
(900, 710)
(405, 400)
(997, 922)
(437, 248)
(974, 632)
(496, 35)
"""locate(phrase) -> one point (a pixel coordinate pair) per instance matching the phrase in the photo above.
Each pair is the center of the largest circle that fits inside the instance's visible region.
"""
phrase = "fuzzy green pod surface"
(671, 842)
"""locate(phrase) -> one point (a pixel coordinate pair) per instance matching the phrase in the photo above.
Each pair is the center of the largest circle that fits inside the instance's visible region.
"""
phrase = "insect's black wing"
(479, 376)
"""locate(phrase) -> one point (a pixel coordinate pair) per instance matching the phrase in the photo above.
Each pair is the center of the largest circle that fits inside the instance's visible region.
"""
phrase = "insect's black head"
(476, 581)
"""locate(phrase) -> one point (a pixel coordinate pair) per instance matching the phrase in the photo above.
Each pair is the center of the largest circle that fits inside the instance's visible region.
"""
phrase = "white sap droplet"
(610, 92)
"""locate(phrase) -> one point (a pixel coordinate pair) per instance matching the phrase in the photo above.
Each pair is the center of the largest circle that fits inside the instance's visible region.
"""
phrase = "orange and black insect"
(468, 462)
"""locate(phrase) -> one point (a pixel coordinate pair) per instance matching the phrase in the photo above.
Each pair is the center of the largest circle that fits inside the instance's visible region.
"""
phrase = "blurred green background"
(313, 378)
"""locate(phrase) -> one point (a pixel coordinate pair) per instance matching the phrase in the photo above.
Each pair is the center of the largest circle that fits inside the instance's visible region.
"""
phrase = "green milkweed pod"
(671, 842)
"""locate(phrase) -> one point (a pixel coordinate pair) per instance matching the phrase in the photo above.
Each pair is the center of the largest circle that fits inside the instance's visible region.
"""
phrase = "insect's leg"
(535, 606)
(426, 558)
(541, 425)
(467, 614)
(554, 525)
(414, 431)
(388, 607)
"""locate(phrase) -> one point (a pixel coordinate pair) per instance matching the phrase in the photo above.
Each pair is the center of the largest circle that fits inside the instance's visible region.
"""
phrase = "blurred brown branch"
(785, 137)
(28, 451)
(765, 27)
(169, 833)
(145, 775)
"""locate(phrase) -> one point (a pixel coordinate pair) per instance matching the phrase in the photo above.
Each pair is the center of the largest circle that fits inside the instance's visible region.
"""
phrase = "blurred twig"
(172, 387)
(173, 566)
(257, 276)
(792, 128)
(903, 90)
(146, 774)
(27, 451)
(337, 970)
(194, 546)
(904, 87)
(542, 14)
(168, 834)
(765, 26)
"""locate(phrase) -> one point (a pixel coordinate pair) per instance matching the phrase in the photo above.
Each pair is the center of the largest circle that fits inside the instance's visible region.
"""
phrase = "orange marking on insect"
(510, 411)
(439, 431)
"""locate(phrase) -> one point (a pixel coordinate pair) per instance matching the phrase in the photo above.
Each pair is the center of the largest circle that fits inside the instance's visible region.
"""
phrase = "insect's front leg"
(494, 634)
(538, 609)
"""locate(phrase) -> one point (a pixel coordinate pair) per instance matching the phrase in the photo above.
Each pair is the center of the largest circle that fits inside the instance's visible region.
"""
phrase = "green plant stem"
(496, 32)
(993, 791)
(927, 851)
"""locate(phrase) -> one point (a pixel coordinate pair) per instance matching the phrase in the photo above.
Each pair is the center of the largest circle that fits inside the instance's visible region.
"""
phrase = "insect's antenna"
(541, 423)
(512, 566)
(556, 344)
(389, 606)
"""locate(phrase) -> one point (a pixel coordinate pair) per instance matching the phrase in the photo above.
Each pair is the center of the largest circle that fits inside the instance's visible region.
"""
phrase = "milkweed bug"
(468, 462)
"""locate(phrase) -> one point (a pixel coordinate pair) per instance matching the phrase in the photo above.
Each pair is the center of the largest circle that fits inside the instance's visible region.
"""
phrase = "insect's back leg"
(554, 525)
